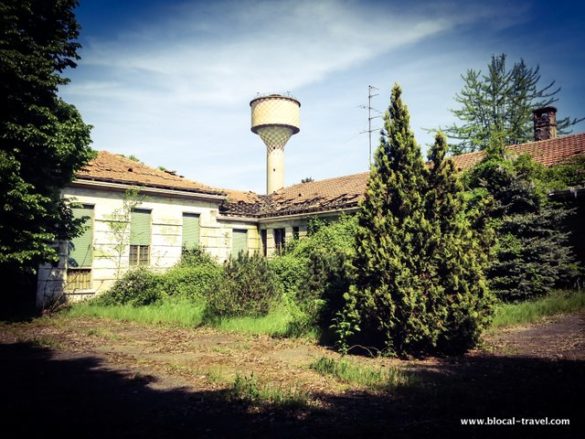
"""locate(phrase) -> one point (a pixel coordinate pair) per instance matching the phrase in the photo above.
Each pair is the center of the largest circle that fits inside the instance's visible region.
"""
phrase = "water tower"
(275, 118)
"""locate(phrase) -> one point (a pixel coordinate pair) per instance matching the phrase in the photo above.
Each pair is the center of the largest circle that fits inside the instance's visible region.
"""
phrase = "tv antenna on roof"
(369, 107)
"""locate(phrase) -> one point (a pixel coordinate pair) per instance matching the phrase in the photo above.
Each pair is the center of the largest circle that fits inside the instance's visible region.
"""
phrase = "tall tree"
(502, 101)
(418, 273)
(43, 140)
(461, 305)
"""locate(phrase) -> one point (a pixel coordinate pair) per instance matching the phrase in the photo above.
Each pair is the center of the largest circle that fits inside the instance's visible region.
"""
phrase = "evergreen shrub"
(247, 288)
(532, 252)
(324, 256)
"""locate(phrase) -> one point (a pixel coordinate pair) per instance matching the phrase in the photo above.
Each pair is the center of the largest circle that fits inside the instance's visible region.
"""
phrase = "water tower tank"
(275, 118)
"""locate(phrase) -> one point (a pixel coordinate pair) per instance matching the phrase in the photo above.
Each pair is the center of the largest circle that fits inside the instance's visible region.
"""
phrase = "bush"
(138, 287)
(196, 257)
(190, 282)
(247, 288)
(290, 273)
(328, 251)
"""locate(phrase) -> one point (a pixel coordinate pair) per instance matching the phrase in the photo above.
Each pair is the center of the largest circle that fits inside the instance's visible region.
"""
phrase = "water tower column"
(274, 169)
(275, 118)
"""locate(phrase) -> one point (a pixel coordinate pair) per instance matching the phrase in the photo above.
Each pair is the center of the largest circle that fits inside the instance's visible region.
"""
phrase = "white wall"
(166, 239)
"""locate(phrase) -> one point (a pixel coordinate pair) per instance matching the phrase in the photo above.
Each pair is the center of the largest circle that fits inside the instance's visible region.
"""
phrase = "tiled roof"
(330, 194)
(333, 193)
(547, 152)
(115, 168)
(345, 192)
(243, 203)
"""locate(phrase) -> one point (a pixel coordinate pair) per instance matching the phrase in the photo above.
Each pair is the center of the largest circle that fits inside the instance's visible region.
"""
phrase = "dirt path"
(118, 379)
(557, 338)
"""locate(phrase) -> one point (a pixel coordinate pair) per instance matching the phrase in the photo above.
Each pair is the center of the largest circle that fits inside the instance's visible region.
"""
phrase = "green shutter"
(140, 227)
(81, 247)
(190, 230)
(239, 241)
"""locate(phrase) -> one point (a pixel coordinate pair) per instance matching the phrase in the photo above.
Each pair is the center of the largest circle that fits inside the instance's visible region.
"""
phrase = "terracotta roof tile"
(333, 193)
(346, 191)
(548, 152)
(115, 168)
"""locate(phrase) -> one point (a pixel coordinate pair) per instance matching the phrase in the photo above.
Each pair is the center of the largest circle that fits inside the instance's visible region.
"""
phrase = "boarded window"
(279, 241)
(81, 247)
(190, 230)
(78, 279)
(140, 237)
(239, 241)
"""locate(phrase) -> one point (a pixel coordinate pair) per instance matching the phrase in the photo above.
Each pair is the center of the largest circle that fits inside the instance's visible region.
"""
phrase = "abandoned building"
(173, 213)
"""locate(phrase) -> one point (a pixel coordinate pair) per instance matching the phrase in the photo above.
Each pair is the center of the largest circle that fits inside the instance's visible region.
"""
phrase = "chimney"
(545, 123)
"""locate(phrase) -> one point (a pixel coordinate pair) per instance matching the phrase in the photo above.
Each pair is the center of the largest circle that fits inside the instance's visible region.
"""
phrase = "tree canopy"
(43, 140)
(501, 101)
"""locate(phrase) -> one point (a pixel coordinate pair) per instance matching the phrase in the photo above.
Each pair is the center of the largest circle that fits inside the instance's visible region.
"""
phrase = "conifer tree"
(532, 254)
(501, 100)
(419, 279)
(386, 296)
(461, 304)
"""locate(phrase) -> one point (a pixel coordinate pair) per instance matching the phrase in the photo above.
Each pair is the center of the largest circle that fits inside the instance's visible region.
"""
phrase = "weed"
(347, 372)
(247, 388)
(44, 343)
(532, 311)
(216, 375)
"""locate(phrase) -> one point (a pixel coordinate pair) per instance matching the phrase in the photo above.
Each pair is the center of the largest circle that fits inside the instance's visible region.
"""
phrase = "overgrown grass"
(183, 313)
(372, 378)
(559, 302)
(176, 313)
(274, 323)
(247, 388)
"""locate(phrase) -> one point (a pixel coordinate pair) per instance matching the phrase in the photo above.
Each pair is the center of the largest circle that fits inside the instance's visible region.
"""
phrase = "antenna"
(371, 88)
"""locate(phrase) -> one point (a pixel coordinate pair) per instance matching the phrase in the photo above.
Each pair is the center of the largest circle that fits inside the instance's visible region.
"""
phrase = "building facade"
(136, 215)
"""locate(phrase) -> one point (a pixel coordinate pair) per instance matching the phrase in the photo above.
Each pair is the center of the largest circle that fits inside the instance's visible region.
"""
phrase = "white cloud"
(237, 49)
(178, 86)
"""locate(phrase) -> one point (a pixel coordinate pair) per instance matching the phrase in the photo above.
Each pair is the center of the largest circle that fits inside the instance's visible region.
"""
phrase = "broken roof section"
(340, 193)
(115, 168)
(345, 192)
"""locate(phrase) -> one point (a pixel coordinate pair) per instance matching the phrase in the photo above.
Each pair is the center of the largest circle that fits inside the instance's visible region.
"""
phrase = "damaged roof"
(115, 168)
(315, 196)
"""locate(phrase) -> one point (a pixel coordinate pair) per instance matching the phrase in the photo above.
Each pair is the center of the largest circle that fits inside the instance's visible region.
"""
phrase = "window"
(139, 255)
(279, 241)
(140, 237)
(78, 279)
(296, 232)
(264, 238)
(239, 241)
(190, 230)
(80, 252)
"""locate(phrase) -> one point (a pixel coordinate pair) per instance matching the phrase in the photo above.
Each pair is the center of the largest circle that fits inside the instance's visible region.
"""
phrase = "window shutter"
(140, 227)
(190, 230)
(81, 247)
(239, 241)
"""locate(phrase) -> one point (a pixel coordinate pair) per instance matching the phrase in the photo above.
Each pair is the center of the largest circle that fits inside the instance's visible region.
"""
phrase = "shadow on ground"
(43, 394)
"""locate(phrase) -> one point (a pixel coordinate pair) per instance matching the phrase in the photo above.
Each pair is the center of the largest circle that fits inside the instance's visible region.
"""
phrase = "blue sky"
(170, 81)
